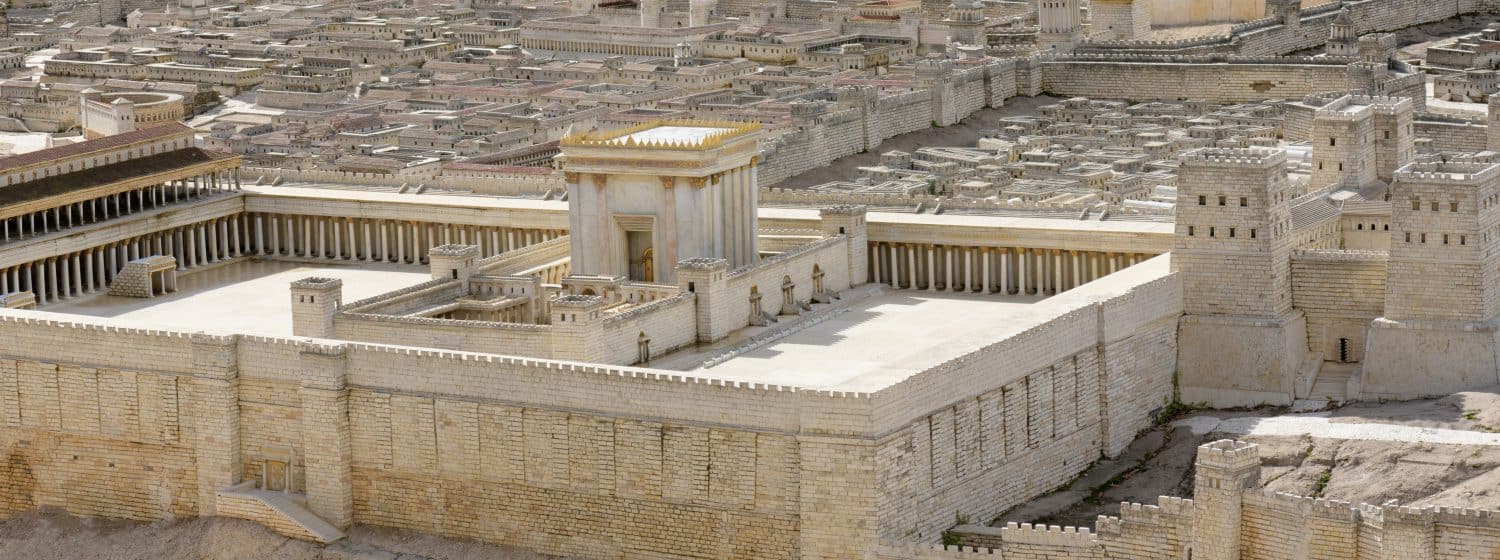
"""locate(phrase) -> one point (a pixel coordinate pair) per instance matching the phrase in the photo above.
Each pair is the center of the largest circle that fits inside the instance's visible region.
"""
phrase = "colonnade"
(114, 205)
(1005, 270)
(604, 47)
(376, 240)
(91, 270)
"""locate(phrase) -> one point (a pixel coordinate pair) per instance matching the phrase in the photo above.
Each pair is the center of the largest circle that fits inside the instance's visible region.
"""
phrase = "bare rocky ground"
(1414, 40)
(964, 134)
(1160, 462)
(51, 535)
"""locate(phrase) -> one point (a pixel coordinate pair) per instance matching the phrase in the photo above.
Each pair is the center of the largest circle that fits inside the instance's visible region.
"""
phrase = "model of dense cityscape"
(735, 279)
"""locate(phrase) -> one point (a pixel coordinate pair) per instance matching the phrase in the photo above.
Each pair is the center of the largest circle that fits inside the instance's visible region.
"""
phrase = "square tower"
(1441, 265)
(1442, 283)
(1343, 144)
(1240, 341)
(645, 197)
(1232, 245)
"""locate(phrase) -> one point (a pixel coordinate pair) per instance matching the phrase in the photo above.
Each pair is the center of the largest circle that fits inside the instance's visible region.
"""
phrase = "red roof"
(88, 146)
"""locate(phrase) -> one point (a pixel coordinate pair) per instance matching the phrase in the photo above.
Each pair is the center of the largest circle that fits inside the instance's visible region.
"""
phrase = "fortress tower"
(966, 23)
(314, 301)
(1240, 340)
(1223, 470)
(1342, 41)
(645, 197)
(1120, 19)
(1359, 140)
(1442, 283)
(1059, 21)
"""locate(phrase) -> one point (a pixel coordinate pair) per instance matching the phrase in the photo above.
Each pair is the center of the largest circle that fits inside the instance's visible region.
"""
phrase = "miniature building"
(655, 194)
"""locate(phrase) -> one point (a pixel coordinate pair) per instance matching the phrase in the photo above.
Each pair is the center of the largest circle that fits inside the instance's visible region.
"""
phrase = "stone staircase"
(282, 512)
(1330, 386)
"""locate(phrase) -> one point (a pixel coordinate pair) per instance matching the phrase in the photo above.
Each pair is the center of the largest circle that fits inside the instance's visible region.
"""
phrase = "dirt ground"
(1414, 40)
(1160, 462)
(52, 535)
(963, 134)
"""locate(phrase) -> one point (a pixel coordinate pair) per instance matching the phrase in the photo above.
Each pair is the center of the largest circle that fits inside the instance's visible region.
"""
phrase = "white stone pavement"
(1321, 426)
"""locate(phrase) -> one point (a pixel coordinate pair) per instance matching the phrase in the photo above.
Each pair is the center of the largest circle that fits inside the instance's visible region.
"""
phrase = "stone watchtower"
(314, 302)
(454, 262)
(849, 220)
(1059, 22)
(1233, 251)
(966, 23)
(1343, 140)
(1120, 19)
(1442, 283)
(1223, 470)
(645, 197)
(1342, 40)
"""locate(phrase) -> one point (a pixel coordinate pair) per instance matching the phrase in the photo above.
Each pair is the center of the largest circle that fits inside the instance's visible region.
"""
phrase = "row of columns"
(84, 272)
(599, 47)
(374, 240)
(114, 205)
(1005, 270)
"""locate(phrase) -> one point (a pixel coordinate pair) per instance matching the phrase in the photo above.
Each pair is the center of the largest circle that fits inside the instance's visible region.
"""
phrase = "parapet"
(578, 301)
(1447, 172)
(703, 263)
(1064, 537)
(843, 210)
(1235, 157)
(1229, 454)
(317, 283)
(454, 250)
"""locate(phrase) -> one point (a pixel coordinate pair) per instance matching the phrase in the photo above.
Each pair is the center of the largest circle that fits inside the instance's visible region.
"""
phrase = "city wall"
(1340, 292)
(501, 181)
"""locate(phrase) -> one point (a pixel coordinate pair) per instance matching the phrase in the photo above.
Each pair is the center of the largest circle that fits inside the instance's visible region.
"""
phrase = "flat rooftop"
(884, 339)
(673, 134)
(249, 297)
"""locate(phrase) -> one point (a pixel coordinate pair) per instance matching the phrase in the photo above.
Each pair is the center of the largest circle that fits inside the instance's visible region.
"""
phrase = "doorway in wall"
(642, 256)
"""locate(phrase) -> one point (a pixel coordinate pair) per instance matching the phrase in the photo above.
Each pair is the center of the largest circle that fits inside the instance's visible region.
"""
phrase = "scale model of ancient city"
(750, 279)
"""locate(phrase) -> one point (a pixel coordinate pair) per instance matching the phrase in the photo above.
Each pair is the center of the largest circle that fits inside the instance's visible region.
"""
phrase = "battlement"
(1026, 533)
(1235, 157)
(703, 263)
(1448, 172)
(1229, 454)
(454, 250)
(317, 283)
(578, 300)
(843, 210)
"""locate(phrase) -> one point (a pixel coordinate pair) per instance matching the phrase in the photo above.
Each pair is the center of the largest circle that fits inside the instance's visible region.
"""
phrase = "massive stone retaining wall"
(566, 458)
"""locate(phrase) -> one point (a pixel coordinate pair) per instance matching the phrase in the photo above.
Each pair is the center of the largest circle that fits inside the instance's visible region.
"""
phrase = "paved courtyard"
(885, 339)
(247, 296)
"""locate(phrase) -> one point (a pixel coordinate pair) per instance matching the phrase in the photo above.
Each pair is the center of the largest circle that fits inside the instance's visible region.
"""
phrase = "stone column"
(985, 275)
(895, 267)
(215, 404)
(326, 450)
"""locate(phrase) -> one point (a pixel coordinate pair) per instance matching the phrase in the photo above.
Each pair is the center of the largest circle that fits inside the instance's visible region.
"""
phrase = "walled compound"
(460, 276)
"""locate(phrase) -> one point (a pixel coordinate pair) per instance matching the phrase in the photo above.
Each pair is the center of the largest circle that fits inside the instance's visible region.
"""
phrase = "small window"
(1445, 239)
(1341, 167)
(1434, 206)
(1360, 227)
(1387, 135)
(1452, 206)
(1424, 238)
(1416, 204)
(1333, 141)
(1408, 237)
(1231, 232)
(1221, 200)
(1386, 227)
(1202, 200)
(1190, 231)
(312, 299)
(1463, 240)
(1244, 202)
(1210, 231)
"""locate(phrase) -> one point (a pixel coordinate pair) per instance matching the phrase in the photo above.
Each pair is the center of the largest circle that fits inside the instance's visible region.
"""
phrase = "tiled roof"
(89, 146)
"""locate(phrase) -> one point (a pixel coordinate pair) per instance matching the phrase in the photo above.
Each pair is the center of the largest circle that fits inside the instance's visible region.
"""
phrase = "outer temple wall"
(560, 457)
(1144, 79)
